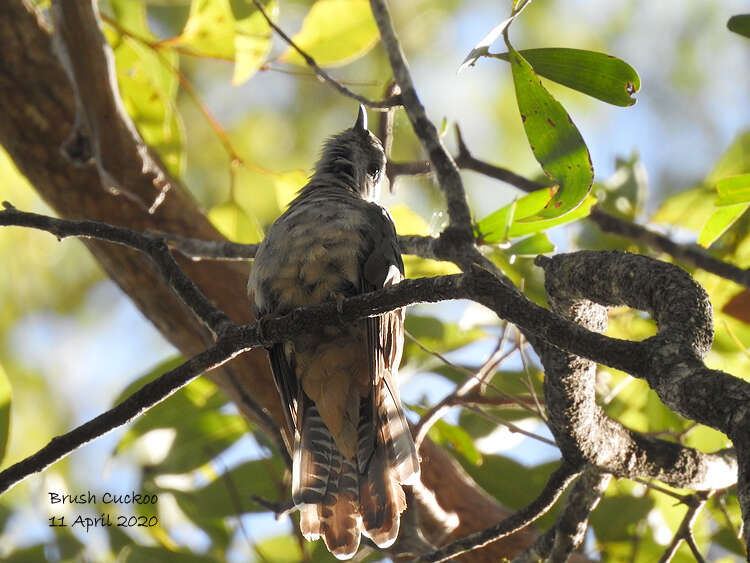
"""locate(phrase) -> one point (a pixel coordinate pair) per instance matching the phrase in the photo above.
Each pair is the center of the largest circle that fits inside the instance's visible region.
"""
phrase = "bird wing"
(386, 454)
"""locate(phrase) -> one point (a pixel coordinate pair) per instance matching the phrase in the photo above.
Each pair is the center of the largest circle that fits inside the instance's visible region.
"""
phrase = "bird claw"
(261, 331)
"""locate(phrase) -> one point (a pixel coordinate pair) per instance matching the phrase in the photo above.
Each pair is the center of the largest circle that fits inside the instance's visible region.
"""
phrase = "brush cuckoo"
(353, 450)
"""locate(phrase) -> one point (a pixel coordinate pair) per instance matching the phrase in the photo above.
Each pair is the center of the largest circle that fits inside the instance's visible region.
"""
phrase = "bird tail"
(325, 486)
(340, 499)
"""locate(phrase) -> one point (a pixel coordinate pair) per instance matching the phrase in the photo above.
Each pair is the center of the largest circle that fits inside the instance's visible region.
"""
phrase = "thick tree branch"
(674, 368)
(687, 253)
(103, 130)
(585, 433)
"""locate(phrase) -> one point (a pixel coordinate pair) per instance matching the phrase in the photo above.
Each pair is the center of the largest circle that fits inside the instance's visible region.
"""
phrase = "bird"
(352, 448)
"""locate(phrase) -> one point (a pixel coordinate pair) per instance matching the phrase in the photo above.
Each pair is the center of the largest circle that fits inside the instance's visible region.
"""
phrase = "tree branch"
(556, 485)
(569, 530)
(154, 246)
(445, 169)
(583, 431)
(102, 130)
(684, 533)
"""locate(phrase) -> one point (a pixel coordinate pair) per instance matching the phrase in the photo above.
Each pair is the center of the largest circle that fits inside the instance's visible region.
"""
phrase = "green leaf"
(719, 222)
(5, 397)
(280, 549)
(148, 84)
(194, 414)
(689, 209)
(252, 43)
(735, 189)
(554, 140)
(598, 75)
(735, 160)
(229, 494)
(235, 224)
(210, 29)
(492, 229)
(334, 33)
(740, 24)
(443, 433)
(532, 246)
(619, 513)
(508, 489)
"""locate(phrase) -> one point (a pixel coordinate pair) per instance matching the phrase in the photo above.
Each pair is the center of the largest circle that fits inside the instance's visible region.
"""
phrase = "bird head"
(354, 159)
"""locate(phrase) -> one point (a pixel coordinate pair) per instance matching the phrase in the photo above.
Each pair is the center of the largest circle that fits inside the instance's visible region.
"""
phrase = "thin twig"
(469, 373)
(197, 249)
(392, 101)
(510, 426)
(447, 174)
(152, 245)
(438, 411)
(695, 503)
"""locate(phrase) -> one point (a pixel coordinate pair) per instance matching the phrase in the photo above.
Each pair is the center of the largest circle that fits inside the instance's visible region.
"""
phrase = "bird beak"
(361, 123)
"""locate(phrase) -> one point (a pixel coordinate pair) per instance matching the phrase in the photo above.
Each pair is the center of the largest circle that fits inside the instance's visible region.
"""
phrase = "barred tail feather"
(313, 452)
(395, 434)
(325, 486)
(382, 501)
(341, 522)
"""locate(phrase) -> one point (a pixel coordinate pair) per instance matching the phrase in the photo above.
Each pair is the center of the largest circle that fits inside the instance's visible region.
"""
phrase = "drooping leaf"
(740, 24)
(599, 75)
(252, 43)
(734, 189)
(554, 139)
(210, 29)
(334, 33)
